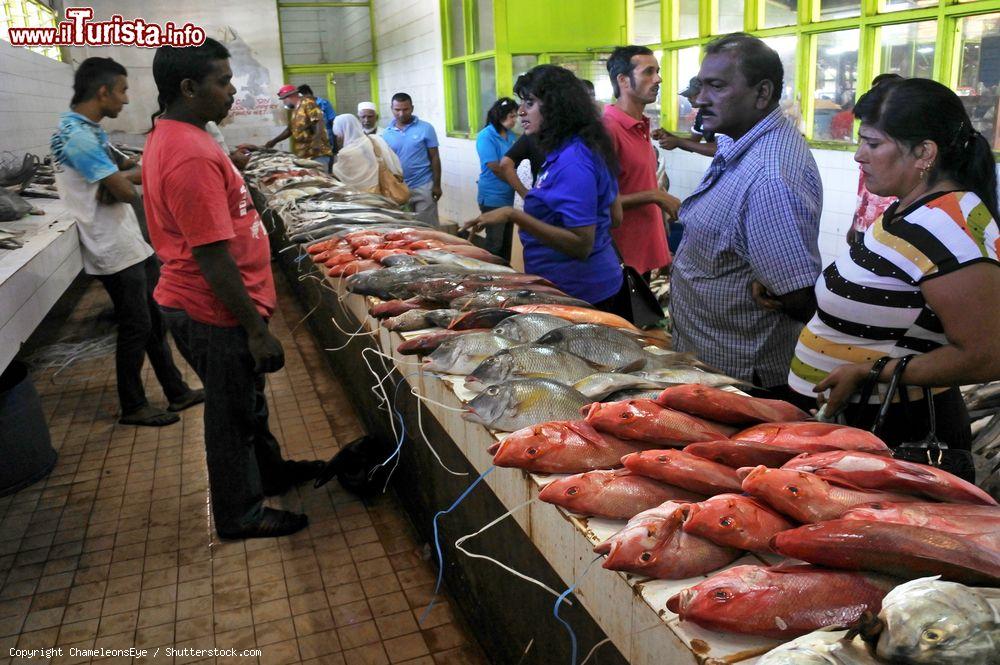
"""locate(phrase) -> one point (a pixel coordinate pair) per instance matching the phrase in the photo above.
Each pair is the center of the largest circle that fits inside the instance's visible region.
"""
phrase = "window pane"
(688, 64)
(456, 27)
(831, 9)
(899, 5)
(787, 48)
(730, 16)
(325, 35)
(460, 99)
(647, 21)
(487, 87)
(484, 25)
(522, 63)
(836, 81)
(688, 19)
(979, 76)
(594, 70)
(908, 49)
(780, 12)
(350, 89)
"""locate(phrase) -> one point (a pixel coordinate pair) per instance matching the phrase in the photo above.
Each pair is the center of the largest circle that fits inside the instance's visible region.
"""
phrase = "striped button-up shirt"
(755, 216)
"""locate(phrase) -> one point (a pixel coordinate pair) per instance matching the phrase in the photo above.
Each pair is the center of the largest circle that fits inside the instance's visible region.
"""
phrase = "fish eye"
(793, 489)
(722, 595)
(492, 390)
(625, 415)
(572, 490)
(931, 635)
(661, 458)
(726, 521)
(646, 557)
(532, 451)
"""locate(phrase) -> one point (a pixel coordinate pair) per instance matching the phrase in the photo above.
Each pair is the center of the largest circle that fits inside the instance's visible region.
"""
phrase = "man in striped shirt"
(742, 281)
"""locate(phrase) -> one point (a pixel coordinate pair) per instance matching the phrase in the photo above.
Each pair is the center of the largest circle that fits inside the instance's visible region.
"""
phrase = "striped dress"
(869, 302)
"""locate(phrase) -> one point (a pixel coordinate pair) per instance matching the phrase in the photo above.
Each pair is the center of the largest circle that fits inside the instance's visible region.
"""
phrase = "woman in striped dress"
(924, 280)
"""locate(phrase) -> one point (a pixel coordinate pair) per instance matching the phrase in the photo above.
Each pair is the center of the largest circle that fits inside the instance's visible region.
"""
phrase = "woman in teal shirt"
(492, 143)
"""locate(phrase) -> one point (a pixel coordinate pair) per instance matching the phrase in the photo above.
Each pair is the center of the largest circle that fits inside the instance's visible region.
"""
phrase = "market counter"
(33, 277)
(538, 539)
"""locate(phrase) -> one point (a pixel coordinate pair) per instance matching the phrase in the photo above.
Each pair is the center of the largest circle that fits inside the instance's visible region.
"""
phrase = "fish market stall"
(509, 362)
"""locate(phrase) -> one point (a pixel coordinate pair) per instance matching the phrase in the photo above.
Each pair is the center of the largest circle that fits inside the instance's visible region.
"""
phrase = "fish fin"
(633, 366)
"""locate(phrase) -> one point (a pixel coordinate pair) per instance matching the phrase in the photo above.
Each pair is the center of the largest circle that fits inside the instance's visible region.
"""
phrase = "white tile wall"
(34, 90)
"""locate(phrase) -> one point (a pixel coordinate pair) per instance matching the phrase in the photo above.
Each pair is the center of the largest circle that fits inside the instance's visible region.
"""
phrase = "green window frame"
(29, 14)
(465, 60)
(331, 69)
(874, 15)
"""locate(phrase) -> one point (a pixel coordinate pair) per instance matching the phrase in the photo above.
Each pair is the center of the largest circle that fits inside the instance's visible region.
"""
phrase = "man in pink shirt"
(216, 291)
(641, 239)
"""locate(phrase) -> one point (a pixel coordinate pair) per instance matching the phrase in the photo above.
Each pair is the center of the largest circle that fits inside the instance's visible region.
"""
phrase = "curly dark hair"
(567, 111)
(501, 109)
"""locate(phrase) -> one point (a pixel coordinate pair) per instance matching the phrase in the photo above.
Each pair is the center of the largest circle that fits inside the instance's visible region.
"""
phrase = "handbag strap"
(894, 380)
(869, 385)
(375, 148)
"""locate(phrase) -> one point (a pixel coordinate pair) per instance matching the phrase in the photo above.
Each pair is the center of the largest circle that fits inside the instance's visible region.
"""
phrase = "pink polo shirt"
(641, 238)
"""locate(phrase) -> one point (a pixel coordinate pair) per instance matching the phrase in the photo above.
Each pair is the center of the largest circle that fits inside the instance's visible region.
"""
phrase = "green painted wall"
(564, 25)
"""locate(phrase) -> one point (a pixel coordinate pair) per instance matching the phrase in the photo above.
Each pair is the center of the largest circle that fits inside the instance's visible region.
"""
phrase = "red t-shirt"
(195, 196)
(641, 238)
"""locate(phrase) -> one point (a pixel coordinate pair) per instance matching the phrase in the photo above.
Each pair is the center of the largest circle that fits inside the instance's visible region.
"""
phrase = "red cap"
(286, 90)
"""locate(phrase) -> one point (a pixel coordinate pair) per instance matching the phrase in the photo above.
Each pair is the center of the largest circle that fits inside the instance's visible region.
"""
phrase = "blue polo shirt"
(574, 189)
(493, 191)
(411, 144)
(328, 115)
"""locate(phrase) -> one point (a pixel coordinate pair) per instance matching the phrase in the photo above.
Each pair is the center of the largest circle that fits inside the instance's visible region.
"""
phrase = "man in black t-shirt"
(524, 148)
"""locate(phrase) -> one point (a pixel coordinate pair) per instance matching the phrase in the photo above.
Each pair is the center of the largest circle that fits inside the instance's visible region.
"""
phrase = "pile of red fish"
(698, 492)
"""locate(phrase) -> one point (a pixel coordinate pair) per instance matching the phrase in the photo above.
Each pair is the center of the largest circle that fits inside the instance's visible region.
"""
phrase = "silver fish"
(526, 328)
(523, 402)
(515, 296)
(441, 317)
(599, 385)
(684, 374)
(463, 354)
(822, 647)
(530, 361)
(622, 395)
(928, 621)
(466, 262)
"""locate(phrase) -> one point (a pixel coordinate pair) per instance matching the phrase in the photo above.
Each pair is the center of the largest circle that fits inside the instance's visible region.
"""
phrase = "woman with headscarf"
(358, 155)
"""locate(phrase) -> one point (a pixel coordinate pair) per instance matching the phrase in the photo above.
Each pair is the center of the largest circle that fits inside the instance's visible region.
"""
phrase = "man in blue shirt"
(416, 144)
(99, 192)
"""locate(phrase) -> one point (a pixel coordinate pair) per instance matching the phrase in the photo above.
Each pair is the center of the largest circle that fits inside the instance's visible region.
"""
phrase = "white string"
(428, 400)
(597, 646)
(458, 546)
(420, 427)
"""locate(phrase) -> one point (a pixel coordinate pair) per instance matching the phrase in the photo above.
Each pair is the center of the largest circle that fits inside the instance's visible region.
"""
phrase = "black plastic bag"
(12, 206)
(358, 466)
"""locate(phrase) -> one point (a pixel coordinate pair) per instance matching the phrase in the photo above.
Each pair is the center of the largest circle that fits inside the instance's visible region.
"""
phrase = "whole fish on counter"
(516, 404)
(780, 601)
(680, 375)
(607, 346)
(381, 283)
(481, 318)
(739, 454)
(566, 446)
(632, 393)
(806, 497)
(512, 297)
(823, 647)
(618, 494)
(527, 328)
(728, 407)
(463, 353)
(735, 520)
(529, 361)
(600, 385)
(429, 342)
(653, 544)
(690, 472)
(485, 263)
(885, 473)
(979, 523)
(896, 549)
(419, 319)
(930, 622)
(645, 420)
(578, 315)
(811, 437)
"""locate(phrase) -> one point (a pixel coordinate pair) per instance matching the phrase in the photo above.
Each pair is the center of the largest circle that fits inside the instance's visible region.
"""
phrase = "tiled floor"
(115, 549)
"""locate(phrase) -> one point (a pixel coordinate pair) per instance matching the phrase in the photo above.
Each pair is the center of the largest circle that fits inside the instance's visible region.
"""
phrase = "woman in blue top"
(566, 221)
(492, 144)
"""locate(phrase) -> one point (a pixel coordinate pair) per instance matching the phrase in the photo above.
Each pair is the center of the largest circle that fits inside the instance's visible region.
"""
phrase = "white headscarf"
(356, 164)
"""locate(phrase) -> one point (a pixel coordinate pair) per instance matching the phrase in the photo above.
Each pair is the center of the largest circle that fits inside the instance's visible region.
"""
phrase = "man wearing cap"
(694, 144)
(368, 115)
(307, 127)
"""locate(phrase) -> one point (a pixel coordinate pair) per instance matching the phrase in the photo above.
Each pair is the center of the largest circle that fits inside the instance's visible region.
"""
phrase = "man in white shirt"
(100, 194)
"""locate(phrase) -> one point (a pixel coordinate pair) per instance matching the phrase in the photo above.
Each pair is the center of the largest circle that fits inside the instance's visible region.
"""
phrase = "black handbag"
(931, 450)
(645, 308)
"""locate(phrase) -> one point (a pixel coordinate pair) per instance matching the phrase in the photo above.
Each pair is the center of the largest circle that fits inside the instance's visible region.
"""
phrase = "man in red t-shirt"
(216, 290)
(641, 239)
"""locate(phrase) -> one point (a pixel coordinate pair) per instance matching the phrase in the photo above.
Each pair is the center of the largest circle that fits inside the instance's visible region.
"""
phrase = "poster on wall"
(254, 95)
